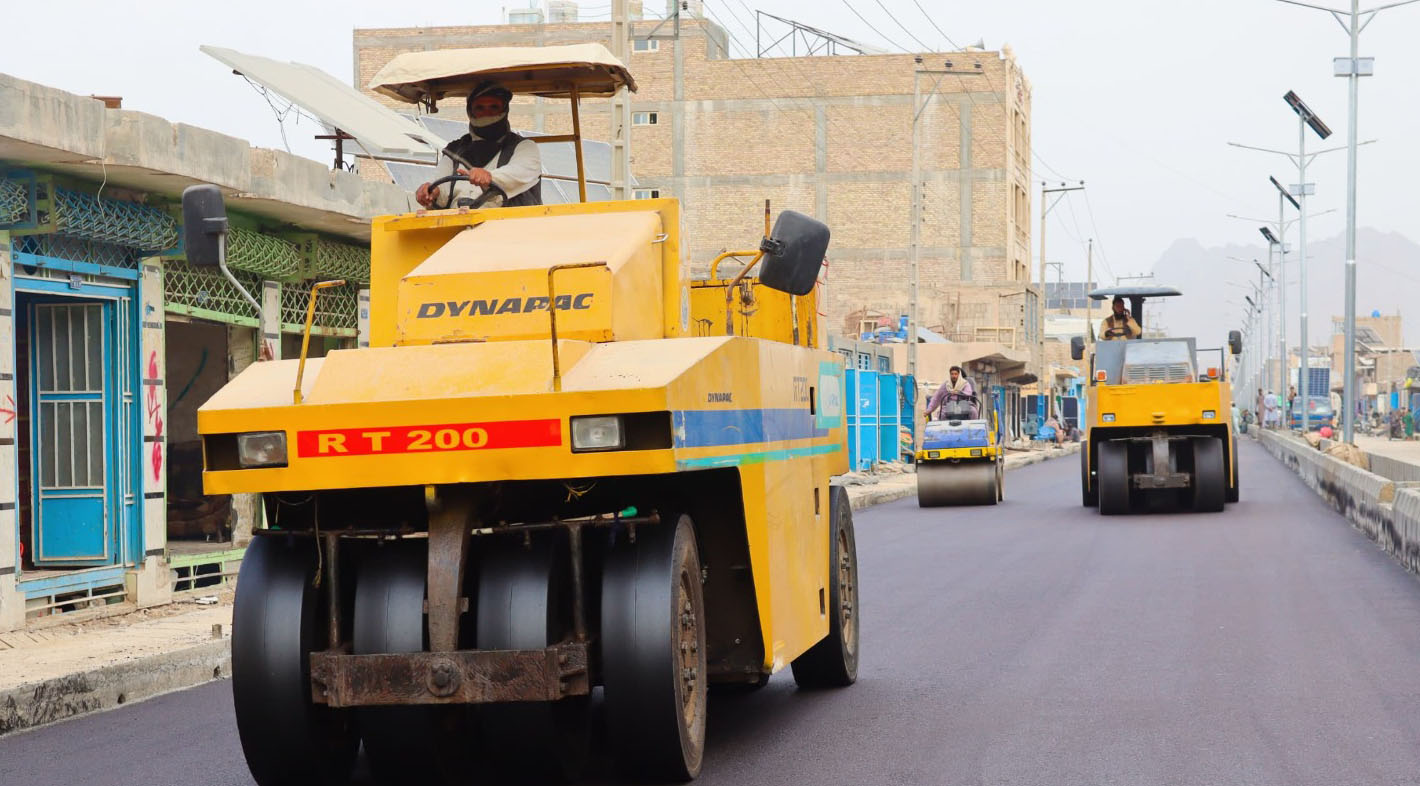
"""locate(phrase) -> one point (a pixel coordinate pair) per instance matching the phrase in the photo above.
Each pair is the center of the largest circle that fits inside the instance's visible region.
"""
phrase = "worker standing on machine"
(956, 388)
(1120, 325)
(490, 155)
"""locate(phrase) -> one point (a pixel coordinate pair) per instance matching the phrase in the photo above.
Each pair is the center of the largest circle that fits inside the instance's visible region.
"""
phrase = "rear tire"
(653, 650)
(1210, 477)
(1090, 497)
(1235, 490)
(833, 662)
(287, 738)
(1112, 477)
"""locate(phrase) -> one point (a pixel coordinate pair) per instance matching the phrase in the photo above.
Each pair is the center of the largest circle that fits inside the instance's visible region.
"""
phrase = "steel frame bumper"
(460, 677)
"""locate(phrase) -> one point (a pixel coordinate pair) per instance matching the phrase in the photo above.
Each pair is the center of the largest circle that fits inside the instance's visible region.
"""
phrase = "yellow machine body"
(463, 384)
(1161, 405)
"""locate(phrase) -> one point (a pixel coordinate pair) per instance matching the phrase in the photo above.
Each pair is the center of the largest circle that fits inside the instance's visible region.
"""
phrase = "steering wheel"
(488, 193)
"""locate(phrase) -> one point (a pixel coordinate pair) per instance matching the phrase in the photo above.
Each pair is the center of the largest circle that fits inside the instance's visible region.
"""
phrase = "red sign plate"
(442, 438)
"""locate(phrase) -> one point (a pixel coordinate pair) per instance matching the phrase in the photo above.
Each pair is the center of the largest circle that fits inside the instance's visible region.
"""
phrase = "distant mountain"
(1387, 280)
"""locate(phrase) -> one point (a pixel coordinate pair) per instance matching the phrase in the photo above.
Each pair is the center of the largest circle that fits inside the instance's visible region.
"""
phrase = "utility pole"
(1353, 68)
(1045, 208)
(621, 103)
(1089, 282)
(915, 232)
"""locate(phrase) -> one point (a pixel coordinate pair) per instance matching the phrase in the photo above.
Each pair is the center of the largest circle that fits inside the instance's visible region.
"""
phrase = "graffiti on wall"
(155, 416)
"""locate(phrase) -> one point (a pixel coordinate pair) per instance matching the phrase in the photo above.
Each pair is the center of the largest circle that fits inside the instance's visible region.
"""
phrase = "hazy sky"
(1138, 97)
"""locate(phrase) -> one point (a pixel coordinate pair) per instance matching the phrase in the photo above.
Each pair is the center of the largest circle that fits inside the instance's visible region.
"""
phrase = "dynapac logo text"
(508, 305)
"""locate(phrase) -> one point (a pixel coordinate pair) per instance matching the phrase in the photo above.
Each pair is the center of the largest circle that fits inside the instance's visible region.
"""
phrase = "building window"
(644, 118)
(648, 193)
(646, 45)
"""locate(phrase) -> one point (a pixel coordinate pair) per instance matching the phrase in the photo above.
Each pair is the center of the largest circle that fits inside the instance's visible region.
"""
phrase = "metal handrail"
(552, 317)
(306, 336)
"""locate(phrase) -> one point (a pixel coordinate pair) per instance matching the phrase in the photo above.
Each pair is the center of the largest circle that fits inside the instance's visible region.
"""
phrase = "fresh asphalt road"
(1031, 643)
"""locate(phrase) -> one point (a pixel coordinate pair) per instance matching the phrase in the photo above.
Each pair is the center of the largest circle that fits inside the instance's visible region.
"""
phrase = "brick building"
(830, 136)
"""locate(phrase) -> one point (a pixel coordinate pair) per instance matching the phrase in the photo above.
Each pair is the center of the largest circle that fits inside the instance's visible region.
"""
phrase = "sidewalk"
(56, 673)
(1398, 449)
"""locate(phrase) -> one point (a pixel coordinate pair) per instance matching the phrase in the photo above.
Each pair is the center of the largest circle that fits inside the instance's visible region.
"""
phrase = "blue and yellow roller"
(560, 464)
(960, 460)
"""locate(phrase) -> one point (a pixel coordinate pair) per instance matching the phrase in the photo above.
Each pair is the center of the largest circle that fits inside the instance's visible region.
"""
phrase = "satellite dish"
(980, 44)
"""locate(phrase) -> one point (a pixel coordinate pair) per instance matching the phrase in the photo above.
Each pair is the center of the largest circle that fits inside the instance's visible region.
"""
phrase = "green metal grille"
(264, 255)
(14, 201)
(338, 260)
(336, 309)
(79, 250)
(112, 221)
(206, 292)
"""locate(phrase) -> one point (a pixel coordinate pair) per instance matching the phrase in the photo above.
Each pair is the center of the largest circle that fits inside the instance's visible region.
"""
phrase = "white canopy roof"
(549, 71)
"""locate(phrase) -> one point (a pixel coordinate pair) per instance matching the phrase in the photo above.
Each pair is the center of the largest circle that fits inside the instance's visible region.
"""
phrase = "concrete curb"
(1386, 511)
(896, 489)
(81, 693)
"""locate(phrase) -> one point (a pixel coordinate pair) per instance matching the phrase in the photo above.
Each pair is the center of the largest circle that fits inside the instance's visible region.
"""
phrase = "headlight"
(975, 452)
(931, 454)
(1209, 414)
(597, 432)
(262, 449)
(1107, 417)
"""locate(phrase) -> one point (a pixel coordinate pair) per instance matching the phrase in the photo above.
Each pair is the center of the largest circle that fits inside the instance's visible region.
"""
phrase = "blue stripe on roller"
(700, 428)
(740, 459)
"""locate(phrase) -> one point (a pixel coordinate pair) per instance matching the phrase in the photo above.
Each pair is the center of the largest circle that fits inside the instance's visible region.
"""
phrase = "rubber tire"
(1089, 497)
(1210, 477)
(524, 602)
(1112, 478)
(641, 629)
(286, 738)
(389, 619)
(1235, 490)
(833, 662)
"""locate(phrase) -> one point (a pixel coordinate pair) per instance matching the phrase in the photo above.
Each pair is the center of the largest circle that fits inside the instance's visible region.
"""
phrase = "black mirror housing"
(204, 225)
(793, 253)
(1077, 348)
(1235, 341)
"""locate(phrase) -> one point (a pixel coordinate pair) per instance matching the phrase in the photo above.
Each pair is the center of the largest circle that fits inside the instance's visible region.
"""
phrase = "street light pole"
(1353, 68)
(1306, 118)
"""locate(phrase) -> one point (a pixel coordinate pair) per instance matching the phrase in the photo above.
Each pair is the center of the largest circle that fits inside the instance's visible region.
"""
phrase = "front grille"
(1157, 372)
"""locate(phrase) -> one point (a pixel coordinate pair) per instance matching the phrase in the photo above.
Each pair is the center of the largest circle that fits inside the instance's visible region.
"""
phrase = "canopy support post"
(575, 95)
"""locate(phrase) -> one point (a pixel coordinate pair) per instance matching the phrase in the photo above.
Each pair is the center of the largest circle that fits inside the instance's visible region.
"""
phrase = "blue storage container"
(861, 400)
(889, 416)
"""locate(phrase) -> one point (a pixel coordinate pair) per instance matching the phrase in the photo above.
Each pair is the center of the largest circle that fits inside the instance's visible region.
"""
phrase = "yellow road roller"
(960, 460)
(1158, 425)
(560, 465)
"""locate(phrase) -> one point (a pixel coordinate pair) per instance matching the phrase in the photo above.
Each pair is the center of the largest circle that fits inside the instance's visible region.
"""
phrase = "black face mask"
(492, 133)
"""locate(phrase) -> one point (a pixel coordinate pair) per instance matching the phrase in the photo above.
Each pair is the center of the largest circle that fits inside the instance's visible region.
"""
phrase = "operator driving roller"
(1120, 325)
(490, 155)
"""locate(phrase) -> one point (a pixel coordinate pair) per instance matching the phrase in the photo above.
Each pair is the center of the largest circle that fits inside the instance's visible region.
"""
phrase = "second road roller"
(1157, 419)
(960, 460)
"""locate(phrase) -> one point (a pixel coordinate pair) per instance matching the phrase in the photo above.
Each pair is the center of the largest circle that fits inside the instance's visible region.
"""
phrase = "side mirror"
(793, 253)
(1077, 348)
(1235, 341)
(204, 225)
